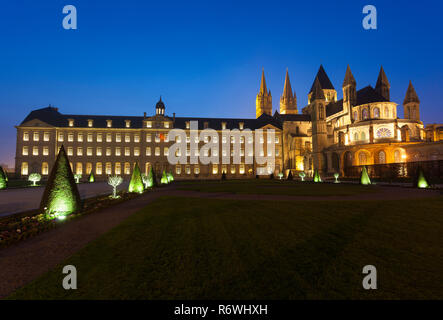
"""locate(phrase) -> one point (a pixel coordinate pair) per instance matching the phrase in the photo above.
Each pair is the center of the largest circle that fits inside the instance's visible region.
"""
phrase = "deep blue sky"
(205, 57)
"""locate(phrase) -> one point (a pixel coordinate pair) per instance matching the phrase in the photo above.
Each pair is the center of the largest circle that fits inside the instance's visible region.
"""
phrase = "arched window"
(320, 111)
(362, 158)
(363, 136)
(108, 168)
(24, 168)
(376, 113)
(397, 156)
(127, 168)
(381, 157)
(355, 115)
(148, 168)
(118, 168)
(355, 136)
(79, 168)
(386, 112)
(98, 168)
(45, 168)
(365, 114)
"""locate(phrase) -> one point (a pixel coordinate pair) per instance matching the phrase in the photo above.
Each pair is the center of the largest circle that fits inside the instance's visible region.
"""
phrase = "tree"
(364, 178)
(336, 176)
(136, 183)
(302, 176)
(77, 177)
(3, 179)
(170, 176)
(420, 180)
(114, 182)
(317, 177)
(61, 195)
(145, 179)
(164, 179)
(34, 177)
(91, 178)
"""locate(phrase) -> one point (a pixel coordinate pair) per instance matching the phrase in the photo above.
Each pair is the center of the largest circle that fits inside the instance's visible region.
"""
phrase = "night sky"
(205, 58)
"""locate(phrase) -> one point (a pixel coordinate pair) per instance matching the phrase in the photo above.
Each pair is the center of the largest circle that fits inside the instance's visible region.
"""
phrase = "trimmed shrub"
(290, 176)
(136, 183)
(3, 179)
(91, 178)
(317, 177)
(61, 195)
(364, 178)
(420, 180)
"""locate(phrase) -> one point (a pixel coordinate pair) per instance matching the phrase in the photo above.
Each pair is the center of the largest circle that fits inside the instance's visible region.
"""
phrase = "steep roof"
(382, 79)
(287, 89)
(325, 83)
(349, 78)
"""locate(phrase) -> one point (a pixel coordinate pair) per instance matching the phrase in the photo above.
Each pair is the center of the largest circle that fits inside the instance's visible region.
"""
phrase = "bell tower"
(288, 100)
(411, 104)
(383, 87)
(263, 103)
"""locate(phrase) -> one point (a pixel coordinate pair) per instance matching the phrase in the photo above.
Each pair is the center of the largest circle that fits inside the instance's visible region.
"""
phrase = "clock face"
(384, 133)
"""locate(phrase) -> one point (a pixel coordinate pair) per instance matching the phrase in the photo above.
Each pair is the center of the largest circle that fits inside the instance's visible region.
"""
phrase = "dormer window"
(128, 123)
(188, 124)
(241, 125)
(223, 125)
(71, 122)
(148, 124)
(109, 123)
(90, 123)
(166, 124)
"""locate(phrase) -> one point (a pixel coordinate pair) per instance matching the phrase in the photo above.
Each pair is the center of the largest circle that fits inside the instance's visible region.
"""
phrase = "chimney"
(144, 114)
(173, 116)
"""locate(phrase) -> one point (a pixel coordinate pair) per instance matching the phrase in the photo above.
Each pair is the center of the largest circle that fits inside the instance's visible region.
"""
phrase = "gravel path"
(25, 261)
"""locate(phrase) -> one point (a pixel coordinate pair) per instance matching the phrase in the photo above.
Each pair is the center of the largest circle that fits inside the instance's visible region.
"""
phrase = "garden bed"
(27, 224)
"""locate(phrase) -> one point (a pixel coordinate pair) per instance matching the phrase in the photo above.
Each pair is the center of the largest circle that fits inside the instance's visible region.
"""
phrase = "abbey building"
(331, 135)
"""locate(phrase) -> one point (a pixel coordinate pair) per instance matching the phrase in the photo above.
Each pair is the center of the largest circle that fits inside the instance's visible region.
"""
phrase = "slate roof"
(52, 116)
(325, 83)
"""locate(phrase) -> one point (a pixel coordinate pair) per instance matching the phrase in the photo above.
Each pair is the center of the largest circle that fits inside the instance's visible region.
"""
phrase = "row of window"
(108, 137)
(125, 168)
(71, 123)
(376, 113)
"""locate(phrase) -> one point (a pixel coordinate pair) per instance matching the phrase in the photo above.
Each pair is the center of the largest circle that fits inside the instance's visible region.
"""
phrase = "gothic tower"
(325, 84)
(411, 104)
(383, 86)
(319, 131)
(349, 92)
(263, 103)
(288, 100)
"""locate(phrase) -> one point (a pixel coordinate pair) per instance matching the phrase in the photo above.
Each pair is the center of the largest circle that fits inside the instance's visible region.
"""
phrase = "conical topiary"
(170, 177)
(91, 177)
(164, 179)
(61, 196)
(152, 176)
(364, 178)
(136, 183)
(289, 177)
(223, 176)
(317, 177)
(420, 180)
(3, 179)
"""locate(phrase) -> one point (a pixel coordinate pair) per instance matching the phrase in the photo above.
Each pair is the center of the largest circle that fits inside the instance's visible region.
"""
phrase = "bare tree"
(115, 181)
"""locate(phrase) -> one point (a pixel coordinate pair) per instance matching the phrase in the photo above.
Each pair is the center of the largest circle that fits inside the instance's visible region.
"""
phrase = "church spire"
(349, 78)
(411, 95)
(288, 101)
(383, 87)
(263, 89)
(317, 92)
(263, 103)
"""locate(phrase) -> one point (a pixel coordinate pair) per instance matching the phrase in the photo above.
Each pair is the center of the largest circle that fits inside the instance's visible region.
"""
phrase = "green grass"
(277, 187)
(179, 248)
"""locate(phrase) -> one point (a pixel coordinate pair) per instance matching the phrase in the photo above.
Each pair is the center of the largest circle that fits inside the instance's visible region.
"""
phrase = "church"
(330, 135)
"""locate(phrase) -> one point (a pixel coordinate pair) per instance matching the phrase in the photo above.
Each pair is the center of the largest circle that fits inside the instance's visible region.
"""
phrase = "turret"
(263, 103)
(349, 89)
(411, 104)
(319, 131)
(383, 87)
(160, 107)
(288, 100)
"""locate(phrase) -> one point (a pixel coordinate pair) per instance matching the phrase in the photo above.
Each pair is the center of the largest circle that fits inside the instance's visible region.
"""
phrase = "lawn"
(181, 248)
(277, 187)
